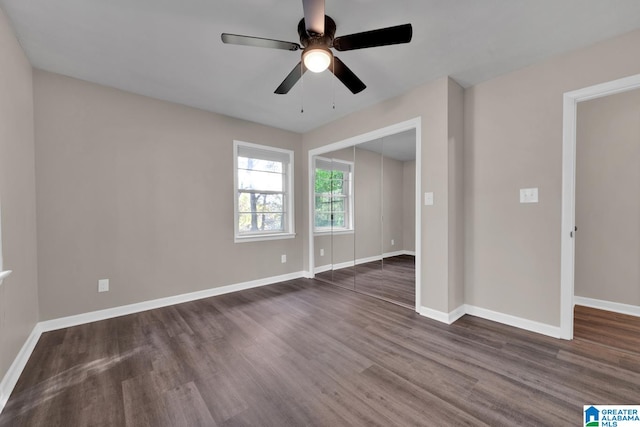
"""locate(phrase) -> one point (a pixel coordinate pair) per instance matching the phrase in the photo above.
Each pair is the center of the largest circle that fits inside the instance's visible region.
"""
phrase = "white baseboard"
(456, 314)
(616, 307)
(441, 316)
(506, 319)
(322, 268)
(11, 377)
(94, 316)
(13, 374)
(518, 322)
(395, 253)
(327, 267)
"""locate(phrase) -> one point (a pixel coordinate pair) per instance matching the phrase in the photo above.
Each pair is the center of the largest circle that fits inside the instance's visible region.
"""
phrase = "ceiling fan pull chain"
(302, 88)
(333, 83)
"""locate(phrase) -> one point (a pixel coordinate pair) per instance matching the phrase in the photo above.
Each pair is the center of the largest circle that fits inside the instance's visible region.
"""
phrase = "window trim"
(289, 232)
(340, 230)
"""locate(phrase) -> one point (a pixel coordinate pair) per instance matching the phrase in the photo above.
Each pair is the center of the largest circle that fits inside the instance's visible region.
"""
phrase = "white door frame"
(416, 124)
(567, 243)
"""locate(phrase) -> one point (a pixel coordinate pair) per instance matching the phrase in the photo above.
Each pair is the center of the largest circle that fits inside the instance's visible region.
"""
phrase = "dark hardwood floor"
(392, 279)
(307, 353)
(620, 331)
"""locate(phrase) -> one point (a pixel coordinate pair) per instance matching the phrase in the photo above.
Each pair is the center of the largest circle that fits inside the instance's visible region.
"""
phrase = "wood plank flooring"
(392, 279)
(306, 353)
(607, 328)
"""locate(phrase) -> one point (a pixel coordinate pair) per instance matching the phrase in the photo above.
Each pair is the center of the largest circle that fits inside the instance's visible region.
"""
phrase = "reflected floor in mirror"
(392, 279)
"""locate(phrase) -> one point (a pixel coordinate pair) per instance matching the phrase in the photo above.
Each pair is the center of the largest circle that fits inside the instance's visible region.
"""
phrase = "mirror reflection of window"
(333, 204)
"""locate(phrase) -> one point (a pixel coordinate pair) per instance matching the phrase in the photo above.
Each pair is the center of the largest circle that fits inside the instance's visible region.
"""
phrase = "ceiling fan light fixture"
(317, 59)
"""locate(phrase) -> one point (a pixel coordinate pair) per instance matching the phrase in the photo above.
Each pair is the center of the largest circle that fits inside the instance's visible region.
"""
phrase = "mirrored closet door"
(364, 236)
(334, 241)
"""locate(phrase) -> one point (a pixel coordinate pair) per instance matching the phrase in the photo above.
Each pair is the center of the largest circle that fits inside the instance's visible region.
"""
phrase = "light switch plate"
(529, 195)
(428, 198)
(103, 285)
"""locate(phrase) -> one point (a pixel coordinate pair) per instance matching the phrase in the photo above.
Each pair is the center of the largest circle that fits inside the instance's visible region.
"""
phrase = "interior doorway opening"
(569, 230)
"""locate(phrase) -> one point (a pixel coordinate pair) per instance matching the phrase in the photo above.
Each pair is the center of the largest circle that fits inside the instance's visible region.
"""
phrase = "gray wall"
(456, 201)
(607, 263)
(513, 140)
(409, 205)
(368, 204)
(18, 293)
(140, 191)
(392, 206)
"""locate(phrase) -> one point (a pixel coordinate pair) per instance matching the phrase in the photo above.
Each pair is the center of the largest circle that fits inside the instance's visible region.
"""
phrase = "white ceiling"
(171, 49)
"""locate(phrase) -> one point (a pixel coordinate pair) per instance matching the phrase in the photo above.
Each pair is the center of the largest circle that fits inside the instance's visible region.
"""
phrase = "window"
(333, 201)
(263, 192)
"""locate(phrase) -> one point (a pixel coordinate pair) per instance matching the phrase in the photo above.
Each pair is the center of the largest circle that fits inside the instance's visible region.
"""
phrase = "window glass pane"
(260, 180)
(257, 202)
(338, 219)
(260, 222)
(323, 204)
(338, 205)
(260, 165)
(345, 184)
(323, 219)
(323, 186)
(332, 188)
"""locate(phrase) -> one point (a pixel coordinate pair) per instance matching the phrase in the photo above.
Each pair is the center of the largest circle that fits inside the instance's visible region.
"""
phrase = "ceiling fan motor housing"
(313, 40)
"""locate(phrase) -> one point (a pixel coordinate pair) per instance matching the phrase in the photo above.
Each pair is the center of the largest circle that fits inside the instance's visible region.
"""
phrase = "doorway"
(364, 213)
(571, 100)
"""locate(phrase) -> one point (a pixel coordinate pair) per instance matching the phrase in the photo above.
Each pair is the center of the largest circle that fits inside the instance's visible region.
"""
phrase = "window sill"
(332, 232)
(4, 275)
(259, 238)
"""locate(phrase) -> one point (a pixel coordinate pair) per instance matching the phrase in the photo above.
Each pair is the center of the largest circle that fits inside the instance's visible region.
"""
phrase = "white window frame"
(349, 196)
(289, 223)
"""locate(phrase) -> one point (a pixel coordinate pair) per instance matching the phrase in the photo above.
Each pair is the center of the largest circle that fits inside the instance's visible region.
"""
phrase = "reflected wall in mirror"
(334, 217)
(385, 253)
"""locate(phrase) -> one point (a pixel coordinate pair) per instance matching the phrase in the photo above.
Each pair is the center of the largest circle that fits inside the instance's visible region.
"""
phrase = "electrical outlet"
(321, 252)
(283, 258)
(529, 195)
(393, 242)
(103, 285)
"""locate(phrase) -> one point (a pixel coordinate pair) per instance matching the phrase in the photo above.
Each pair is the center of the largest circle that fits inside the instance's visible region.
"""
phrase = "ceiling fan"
(317, 33)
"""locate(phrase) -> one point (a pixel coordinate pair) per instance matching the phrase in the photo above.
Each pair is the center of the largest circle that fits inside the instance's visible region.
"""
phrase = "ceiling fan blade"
(291, 79)
(314, 16)
(258, 42)
(346, 76)
(381, 37)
